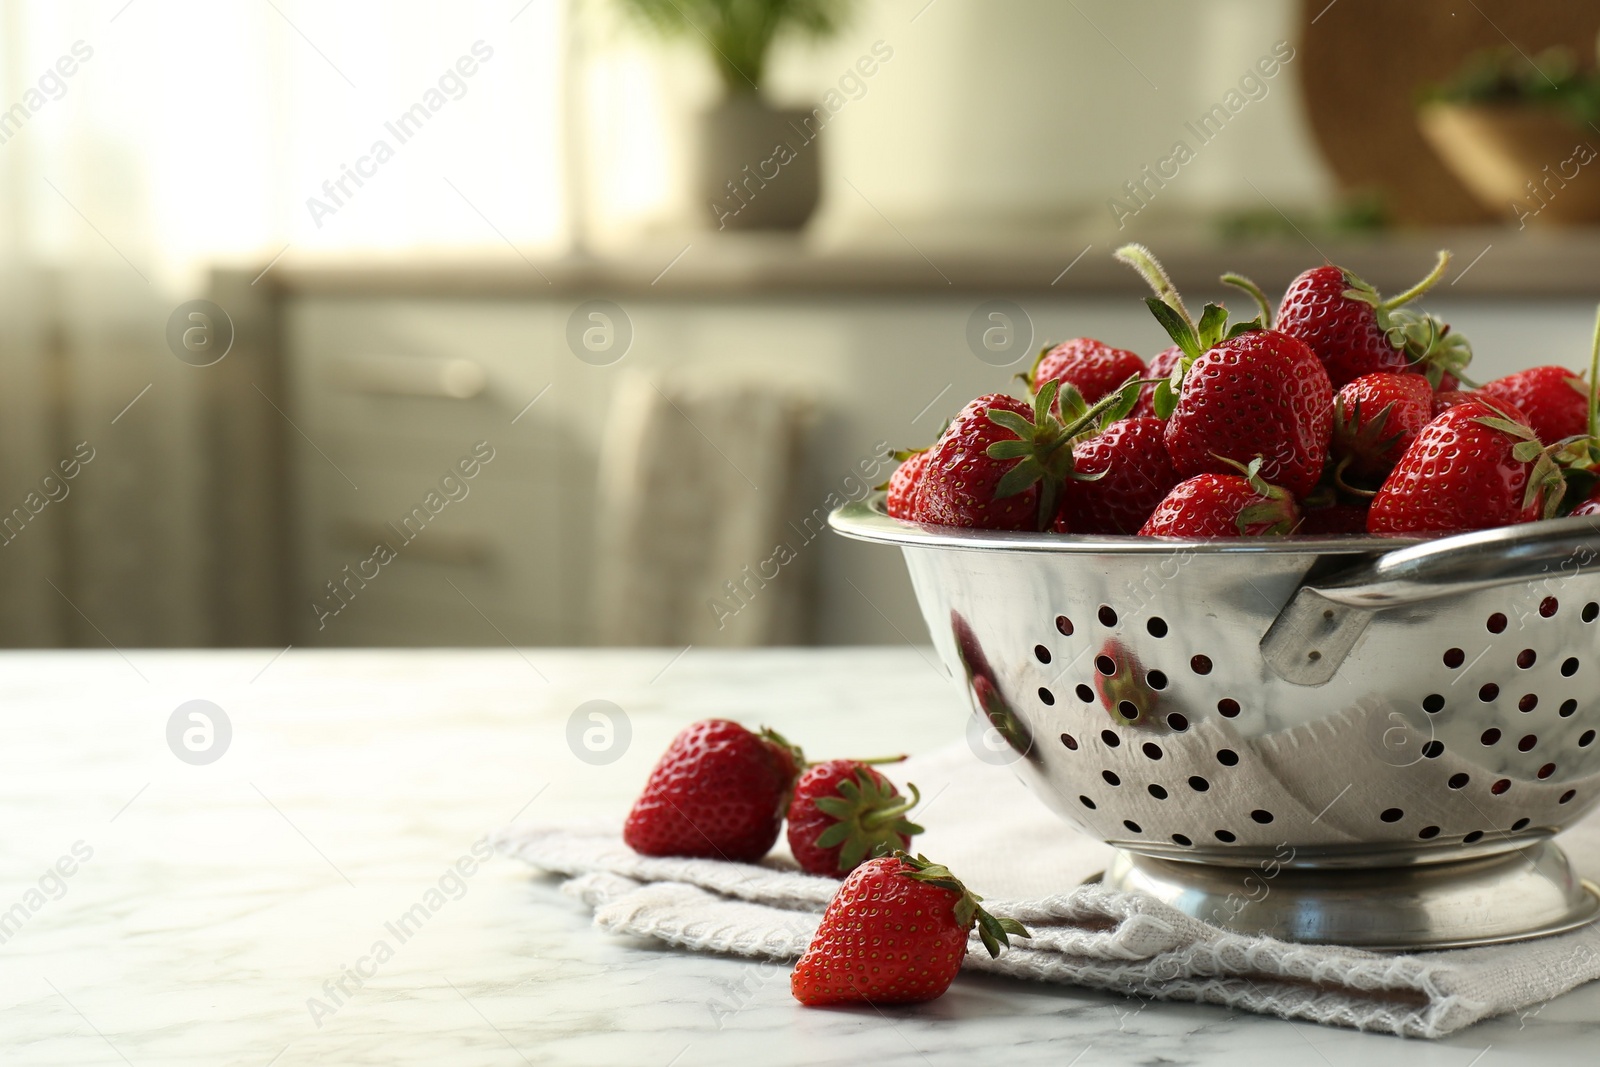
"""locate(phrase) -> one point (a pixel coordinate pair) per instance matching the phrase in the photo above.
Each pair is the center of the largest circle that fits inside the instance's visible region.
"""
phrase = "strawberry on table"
(1555, 400)
(895, 933)
(1375, 419)
(1224, 505)
(1475, 466)
(844, 811)
(1242, 393)
(1131, 474)
(901, 496)
(719, 791)
(1092, 367)
(1348, 325)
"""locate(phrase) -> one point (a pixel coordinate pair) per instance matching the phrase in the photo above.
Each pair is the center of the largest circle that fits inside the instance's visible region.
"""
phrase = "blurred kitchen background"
(412, 324)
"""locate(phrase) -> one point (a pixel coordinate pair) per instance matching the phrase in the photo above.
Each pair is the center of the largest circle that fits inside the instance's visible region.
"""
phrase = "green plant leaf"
(1177, 327)
(1165, 400)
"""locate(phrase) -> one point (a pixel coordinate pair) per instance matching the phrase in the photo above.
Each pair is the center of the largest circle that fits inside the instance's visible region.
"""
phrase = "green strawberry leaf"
(1239, 328)
(1010, 420)
(1127, 399)
(1009, 450)
(1177, 327)
(1213, 320)
(1165, 400)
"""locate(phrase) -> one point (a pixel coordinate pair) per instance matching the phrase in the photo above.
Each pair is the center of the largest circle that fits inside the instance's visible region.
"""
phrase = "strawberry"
(1334, 519)
(1351, 329)
(1239, 393)
(1555, 400)
(902, 489)
(1590, 506)
(1092, 367)
(1162, 364)
(1131, 472)
(1000, 464)
(719, 791)
(1375, 419)
(1475, 466)
(844, 811)
(1224, 505)
(895, 933)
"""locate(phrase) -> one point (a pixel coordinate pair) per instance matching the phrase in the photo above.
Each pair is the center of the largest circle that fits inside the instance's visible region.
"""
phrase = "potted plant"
(1521, 135)
(754, 166)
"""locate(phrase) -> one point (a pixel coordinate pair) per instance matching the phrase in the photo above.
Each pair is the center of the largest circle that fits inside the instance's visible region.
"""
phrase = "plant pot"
(1532, 163)
(756, 167)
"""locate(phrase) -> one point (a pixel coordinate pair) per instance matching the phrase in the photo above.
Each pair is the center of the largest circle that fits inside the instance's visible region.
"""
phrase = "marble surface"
(212, 910)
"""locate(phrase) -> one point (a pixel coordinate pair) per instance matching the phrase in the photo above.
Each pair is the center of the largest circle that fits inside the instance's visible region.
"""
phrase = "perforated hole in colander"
(1132, 826)
(1489, 693)
(1228, 707)
(1569, 707)
(1064, 624)
(1046, 697)
(1428, 832)
(1070, 741)
(1225, 836)
(1156, 680)
(1459, 780)
(1546, 771)
(1472, 838)
(1497, 623)
(1156, 626)
(1198, 784)
(1491, 736)
(1569, 667)
(1500, 786)
(1177, 722)
(1041, 653)
(1180, 839)
(1433, 749)
(1108, 615)
(1528, 702)
(1454, 657)
(1526, 742)
(1591, 611)
(1111, 777)
(1110, 738)
(1086, 802)
(1527, 658)
(1567, 796)
(1085, 694)
(1586, 739)
(1105, 665)
(1200, 664)
(1227, 757)
(1262, 816)
(1520, 824)
(1152, 750)
(1433, 703)
(1549, 606)
(1391, 815)
(1156, 791)
(1128, 710)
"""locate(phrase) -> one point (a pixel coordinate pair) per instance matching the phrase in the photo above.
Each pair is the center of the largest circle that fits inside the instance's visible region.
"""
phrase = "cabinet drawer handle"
(444, 379)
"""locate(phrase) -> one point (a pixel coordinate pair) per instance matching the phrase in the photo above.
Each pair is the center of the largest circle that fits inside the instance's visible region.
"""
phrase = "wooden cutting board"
(1362, 63)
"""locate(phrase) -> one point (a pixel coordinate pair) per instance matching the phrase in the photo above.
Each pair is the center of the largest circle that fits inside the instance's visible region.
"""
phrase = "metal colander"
(1355, 740)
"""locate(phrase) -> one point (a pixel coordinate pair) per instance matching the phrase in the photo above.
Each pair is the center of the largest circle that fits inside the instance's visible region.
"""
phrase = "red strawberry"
(1224, 505)
(1334, 519)
(1252, 393)
(844, 811)
(1375, 419)
(1130, 458)
(1092, 367)
(1342, 319)
(1475, 466)
(1591, 506)
(1555, 400)
(1000, 464)
(895, 933)
(1261, 393)
(719, 791)
(903, 485)
(1162, 364)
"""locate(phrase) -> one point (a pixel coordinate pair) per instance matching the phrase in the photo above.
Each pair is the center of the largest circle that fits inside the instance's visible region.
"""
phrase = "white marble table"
(218, 899)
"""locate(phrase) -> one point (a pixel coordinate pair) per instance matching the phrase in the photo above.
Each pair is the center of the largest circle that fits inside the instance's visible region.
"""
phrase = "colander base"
(1531, 892)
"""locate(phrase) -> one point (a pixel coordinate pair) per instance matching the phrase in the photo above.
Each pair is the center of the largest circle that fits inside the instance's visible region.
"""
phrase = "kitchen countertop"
(208, 904)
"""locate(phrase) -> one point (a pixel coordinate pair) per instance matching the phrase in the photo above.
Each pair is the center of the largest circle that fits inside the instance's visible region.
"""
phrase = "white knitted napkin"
(984, 825)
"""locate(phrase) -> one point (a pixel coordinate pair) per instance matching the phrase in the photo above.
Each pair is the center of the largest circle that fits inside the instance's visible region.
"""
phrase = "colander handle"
(1314, 633)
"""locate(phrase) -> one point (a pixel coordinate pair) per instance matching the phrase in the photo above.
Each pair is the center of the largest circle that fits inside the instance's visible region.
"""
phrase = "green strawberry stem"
(1276, 506)
(869, 818)
(1421, 287)
(992, 932)
(1594, 379)
(1150, 269)
(881, 817)
(1239, 281)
